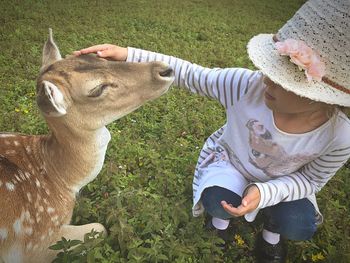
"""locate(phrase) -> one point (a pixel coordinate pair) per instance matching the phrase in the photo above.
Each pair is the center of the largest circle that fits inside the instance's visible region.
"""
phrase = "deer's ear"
(51, 100)
(51, 52)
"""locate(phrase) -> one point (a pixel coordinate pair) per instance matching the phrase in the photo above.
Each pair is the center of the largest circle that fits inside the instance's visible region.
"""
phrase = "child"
(286, 134)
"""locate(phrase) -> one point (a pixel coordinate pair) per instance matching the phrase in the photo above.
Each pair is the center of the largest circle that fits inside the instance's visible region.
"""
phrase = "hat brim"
(262, 52)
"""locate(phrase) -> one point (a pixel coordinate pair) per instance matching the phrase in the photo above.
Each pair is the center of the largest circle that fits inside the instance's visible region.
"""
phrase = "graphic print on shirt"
(270, 157)
(235, 161)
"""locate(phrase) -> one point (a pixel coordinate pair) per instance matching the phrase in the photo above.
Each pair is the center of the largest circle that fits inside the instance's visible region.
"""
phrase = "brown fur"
(40, 175)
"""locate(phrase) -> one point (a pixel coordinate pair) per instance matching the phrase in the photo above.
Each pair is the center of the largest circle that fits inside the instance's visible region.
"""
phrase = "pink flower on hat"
(304, 57)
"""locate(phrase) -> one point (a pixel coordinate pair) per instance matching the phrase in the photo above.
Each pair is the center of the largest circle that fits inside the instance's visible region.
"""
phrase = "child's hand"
(107, 51)
(249, 203)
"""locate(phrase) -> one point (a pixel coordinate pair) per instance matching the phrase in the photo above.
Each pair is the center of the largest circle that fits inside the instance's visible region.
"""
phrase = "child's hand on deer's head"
(249, 203)
(106, 51)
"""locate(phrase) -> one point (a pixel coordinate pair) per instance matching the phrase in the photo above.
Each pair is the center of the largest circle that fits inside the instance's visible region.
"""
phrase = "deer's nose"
(169, 72)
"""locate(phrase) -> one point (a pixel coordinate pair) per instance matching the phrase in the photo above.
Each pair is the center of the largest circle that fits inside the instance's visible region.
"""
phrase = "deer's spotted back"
(26, 194)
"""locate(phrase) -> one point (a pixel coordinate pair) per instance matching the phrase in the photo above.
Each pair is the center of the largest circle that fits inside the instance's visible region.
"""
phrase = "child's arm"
(225, 85)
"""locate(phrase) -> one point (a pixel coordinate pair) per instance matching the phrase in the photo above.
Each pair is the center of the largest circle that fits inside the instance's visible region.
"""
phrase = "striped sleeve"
(226, 85)
(306, 181)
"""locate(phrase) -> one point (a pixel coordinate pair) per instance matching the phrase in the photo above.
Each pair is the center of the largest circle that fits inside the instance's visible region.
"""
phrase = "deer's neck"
(75, 159)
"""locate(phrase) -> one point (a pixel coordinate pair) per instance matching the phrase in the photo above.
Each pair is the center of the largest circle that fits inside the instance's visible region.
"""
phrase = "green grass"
(143, 194)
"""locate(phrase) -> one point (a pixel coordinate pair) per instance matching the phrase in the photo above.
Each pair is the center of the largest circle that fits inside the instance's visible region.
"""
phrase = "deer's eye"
(97, 91)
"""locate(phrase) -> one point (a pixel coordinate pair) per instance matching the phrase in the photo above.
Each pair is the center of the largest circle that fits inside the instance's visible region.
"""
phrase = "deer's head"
(88, 92)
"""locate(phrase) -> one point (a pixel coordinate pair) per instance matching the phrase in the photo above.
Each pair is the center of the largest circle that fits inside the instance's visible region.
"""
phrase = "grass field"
(143, 195)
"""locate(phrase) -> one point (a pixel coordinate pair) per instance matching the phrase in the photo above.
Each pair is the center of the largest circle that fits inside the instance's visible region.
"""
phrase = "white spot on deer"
(10, 186)
(29, 246)
(41, 209)
(50, 231)
(37, 182)
(10, 152)
(4, 135)
(47, 191)
(29, 197)
(45, 201)
(42, 237)
(38, 206)
(27, 215)
(28, 149)
(3, 234)
(18, 179)
(27, 175)
(22, 175)
(28, 231)
(16, 143)
(31, 168)
(22, 216)
(17, 226)
(50, 210)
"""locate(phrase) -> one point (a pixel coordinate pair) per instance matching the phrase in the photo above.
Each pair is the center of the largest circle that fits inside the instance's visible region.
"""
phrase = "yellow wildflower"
(17, 110)
(26, 111)
(317, 257)
(240, 242)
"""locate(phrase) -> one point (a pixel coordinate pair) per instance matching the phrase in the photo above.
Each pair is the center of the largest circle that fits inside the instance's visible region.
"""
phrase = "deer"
(41, 175)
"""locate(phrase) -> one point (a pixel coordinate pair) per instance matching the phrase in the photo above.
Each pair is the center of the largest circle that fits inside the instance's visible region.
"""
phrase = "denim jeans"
(295, 220)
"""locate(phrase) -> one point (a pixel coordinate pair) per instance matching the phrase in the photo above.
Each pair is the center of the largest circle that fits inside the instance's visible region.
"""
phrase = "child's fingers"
(252, 198)
(76, 53)
(239, 211)
(245, 201)
(106, 53)
(225, 203)
(92, 49)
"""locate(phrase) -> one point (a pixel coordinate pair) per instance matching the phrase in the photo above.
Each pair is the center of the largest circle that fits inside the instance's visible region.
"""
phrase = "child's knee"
(294, 222)
(300, 233)
(211, 199)
(299, 230)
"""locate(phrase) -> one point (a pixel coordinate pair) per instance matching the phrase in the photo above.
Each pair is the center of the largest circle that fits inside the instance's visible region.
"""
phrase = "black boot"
(268, 253)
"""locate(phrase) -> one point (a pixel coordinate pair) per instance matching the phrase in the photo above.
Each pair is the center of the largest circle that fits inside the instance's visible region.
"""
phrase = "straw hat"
(324, 26)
